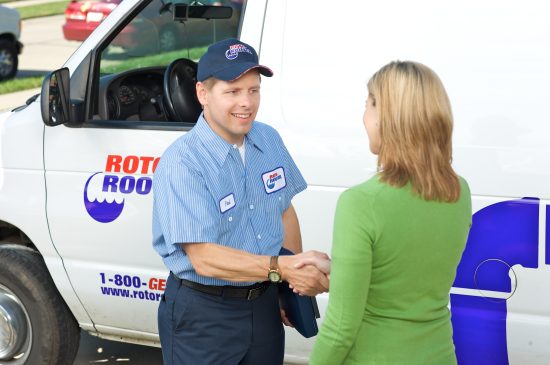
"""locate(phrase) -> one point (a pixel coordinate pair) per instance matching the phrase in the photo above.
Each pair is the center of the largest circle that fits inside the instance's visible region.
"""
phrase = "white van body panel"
(97, 253)
(493, 60)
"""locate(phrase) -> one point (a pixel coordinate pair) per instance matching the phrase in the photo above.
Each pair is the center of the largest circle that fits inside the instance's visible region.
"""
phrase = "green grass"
(13, 85)
(40, 10)
(108, 67)
(163, 59)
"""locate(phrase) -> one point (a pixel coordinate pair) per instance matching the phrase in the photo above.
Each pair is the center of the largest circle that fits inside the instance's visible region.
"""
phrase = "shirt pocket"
(230, 213)
(269, 221)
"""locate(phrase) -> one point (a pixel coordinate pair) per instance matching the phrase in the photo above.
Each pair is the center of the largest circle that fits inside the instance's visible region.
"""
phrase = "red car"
(82, 17)
(153, 29)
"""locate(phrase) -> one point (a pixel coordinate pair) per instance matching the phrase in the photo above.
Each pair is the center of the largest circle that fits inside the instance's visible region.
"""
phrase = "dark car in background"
(10, 47)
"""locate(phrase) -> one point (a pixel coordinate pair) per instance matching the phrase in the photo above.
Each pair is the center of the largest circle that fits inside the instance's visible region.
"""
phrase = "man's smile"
(241, 116)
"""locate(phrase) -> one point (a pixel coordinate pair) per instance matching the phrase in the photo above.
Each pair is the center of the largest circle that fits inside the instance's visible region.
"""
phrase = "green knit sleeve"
(353, 237)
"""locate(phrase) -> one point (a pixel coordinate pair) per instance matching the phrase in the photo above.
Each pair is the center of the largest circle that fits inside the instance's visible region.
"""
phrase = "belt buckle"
(252, 293)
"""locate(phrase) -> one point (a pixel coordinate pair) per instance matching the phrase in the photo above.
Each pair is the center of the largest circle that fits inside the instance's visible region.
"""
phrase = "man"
(222, 211)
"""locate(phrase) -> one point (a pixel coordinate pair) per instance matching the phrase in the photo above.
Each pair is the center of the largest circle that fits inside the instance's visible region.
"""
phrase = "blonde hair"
(416, 125)
(209, 83)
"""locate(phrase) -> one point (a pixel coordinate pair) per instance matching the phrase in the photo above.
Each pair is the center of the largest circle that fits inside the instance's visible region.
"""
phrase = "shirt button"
(251, 206)
(259, 237)
(230, 219)
(235, 146)
(280, 198)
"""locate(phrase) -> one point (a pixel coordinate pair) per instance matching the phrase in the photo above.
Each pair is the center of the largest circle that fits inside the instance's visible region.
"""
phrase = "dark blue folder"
(302, 311)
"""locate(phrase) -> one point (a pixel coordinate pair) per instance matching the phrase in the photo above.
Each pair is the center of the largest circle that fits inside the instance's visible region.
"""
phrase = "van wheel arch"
(42, 328)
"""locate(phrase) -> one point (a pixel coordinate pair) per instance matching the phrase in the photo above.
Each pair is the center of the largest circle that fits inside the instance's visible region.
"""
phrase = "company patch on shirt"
(227, 203)
(274, 180)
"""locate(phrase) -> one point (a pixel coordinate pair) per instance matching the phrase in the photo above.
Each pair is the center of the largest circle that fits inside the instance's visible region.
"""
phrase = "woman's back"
(399, 236)
(417, 249)
(394, 261)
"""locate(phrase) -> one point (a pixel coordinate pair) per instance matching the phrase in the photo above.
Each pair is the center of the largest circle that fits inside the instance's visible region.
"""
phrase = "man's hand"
(306, 279)
(320, 262)
(285, 319)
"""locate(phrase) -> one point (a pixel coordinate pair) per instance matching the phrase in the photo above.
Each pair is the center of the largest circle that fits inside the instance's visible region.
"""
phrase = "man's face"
(231, 107)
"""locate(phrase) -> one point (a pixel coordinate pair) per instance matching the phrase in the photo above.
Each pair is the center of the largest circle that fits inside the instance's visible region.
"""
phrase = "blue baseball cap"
(228, 60)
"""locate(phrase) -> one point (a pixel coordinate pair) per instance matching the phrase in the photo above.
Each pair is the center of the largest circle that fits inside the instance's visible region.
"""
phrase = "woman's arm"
(350, 279)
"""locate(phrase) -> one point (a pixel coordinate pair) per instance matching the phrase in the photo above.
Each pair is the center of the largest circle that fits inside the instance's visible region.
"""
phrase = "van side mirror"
(55, 98)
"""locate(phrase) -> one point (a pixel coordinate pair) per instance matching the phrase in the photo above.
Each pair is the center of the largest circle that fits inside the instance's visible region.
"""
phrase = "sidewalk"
(10, 101)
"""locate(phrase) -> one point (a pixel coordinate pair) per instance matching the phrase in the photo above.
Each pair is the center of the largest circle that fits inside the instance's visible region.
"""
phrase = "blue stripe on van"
(479, 330)
(547, 235)
(502, 235)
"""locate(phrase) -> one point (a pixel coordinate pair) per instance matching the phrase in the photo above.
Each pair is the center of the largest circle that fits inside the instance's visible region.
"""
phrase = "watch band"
(274, 275)
(274, 263)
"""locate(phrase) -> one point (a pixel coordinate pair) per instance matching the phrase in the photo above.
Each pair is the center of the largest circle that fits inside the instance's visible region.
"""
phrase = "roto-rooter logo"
(105, 192)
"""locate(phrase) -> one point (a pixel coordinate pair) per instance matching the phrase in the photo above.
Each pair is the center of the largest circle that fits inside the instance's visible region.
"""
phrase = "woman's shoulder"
(366, 190)
(464, 184)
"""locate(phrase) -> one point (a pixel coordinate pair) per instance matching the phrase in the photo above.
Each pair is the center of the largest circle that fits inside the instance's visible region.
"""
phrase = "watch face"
(274, 276)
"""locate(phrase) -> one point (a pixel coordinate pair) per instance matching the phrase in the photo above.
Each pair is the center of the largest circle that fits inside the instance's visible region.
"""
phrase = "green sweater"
(394, 259)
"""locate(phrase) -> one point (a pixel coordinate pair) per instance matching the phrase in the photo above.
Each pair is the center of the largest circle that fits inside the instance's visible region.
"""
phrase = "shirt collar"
(219, 147)
(255, 138)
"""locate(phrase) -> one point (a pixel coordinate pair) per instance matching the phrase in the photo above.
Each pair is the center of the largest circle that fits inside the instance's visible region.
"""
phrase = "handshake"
(307, 273)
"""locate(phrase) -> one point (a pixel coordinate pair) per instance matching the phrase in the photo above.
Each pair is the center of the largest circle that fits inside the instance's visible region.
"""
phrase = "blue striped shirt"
(203, 192)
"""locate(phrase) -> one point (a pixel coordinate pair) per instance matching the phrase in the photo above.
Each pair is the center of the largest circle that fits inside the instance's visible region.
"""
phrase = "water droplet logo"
(271, 183)
(103, 212)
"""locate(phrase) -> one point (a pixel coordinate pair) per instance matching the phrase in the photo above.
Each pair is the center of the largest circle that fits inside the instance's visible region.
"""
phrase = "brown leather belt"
(249, 292)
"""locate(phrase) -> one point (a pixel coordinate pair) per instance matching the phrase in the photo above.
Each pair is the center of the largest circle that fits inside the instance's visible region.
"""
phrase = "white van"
(75, 191)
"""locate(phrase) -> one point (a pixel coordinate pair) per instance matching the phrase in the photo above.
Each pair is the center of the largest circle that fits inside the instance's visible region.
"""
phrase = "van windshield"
(154, 38)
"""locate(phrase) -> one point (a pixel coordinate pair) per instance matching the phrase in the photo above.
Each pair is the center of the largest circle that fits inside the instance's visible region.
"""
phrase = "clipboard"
(302, 311)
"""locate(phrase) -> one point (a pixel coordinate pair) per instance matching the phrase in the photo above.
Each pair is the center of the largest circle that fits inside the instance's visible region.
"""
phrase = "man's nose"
(245, 99)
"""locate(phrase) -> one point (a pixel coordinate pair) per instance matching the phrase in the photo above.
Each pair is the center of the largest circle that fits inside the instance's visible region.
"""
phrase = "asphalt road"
(44, 48)
(94, 350)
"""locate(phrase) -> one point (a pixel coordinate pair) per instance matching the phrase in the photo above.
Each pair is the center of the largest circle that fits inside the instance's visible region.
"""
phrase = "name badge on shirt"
(274, 180)
(227, 203)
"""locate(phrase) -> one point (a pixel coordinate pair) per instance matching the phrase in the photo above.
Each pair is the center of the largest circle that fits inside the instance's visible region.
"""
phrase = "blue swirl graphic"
(502, 235)
(103, 212)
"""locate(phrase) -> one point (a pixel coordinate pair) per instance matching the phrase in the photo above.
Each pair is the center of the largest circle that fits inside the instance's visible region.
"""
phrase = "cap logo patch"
(234, 50)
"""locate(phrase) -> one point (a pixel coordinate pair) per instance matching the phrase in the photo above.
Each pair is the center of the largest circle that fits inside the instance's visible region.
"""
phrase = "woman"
(399, 236)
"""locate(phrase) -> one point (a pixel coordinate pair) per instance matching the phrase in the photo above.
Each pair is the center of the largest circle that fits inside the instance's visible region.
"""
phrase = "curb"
(13, 100)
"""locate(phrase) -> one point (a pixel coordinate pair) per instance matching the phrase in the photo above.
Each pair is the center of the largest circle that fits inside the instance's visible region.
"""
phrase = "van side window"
(131, 85)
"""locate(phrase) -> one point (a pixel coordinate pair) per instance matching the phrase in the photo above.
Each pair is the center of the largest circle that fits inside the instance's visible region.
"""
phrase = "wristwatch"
(274, 275)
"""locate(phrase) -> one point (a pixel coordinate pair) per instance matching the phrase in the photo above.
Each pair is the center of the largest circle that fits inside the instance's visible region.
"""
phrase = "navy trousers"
(202, 329)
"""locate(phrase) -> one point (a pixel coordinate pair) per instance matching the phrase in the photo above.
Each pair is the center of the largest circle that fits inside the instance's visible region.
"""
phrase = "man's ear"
(201, 93)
